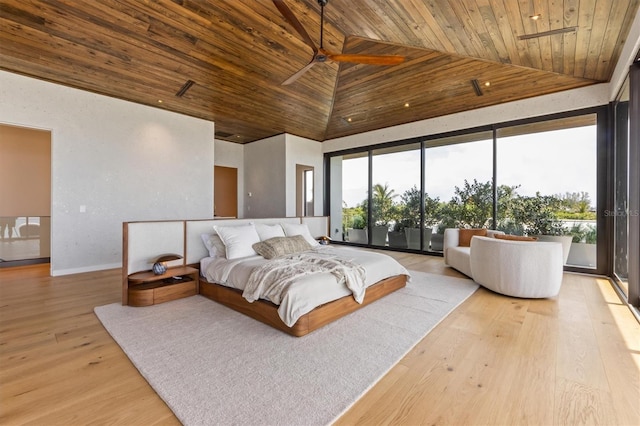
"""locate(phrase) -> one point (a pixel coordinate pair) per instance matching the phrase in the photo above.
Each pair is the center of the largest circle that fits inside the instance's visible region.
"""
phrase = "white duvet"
(309, 291)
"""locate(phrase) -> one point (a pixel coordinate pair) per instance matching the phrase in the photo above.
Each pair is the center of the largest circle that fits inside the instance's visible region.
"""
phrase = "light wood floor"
(495, 360)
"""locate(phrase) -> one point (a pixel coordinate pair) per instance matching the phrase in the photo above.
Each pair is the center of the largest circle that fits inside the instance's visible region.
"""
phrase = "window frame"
(604, 174)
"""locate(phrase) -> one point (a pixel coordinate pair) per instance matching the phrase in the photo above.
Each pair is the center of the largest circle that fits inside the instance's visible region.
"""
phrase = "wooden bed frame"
(144, 241)
(267, 312)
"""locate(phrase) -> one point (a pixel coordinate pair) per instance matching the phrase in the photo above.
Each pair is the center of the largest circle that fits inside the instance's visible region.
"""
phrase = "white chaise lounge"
(527, 269)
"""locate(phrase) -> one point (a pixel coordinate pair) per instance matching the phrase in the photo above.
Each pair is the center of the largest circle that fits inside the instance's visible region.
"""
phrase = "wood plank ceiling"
(238, 52)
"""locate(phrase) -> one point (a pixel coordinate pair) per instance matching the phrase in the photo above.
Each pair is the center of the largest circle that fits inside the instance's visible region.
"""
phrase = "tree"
(537, 215)
(352, 217)
(409, 209)
(382, 205)
(576, 205)
(472, 205)
(578, 202)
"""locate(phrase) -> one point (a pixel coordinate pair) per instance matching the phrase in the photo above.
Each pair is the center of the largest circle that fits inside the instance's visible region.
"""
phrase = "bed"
(290, 281)
(311, 301)
(307, 302)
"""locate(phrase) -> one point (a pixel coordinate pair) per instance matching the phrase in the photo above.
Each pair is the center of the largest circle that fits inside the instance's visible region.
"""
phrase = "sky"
(551, 163)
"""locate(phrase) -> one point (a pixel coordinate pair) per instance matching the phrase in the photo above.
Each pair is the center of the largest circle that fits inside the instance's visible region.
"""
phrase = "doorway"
(304, 190)
(25, 196)
(225, 191)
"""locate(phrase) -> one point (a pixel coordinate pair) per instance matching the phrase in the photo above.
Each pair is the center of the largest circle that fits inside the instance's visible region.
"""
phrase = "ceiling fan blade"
(368, 59)
(291, 18)
(298, 74)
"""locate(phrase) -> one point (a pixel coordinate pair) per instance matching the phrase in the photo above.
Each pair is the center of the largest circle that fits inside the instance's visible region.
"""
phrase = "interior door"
(225, 191)
(304, 190)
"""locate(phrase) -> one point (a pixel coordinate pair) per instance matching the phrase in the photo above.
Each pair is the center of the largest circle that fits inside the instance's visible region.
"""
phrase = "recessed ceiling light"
(536, 16)
(406, 104)
(349, 119)
(488, 83)
(159, 101)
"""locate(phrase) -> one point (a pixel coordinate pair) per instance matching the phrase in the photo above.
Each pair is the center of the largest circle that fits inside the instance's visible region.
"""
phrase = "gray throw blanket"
(271, 280)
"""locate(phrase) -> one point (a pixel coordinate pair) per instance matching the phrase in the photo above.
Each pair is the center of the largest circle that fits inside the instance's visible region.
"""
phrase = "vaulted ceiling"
(237, 53)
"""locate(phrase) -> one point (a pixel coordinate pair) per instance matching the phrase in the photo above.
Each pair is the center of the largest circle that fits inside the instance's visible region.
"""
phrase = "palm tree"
(382, 203)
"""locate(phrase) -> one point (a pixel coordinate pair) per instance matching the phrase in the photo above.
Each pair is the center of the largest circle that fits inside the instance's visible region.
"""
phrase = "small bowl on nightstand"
(324, 240)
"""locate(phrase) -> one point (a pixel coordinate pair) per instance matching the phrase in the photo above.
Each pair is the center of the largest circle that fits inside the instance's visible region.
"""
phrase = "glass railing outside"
(24, 238)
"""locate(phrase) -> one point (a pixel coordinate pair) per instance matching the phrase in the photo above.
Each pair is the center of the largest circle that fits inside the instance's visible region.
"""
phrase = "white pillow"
(291, 229)
(269, 231)
(238, 240)
(214, 244)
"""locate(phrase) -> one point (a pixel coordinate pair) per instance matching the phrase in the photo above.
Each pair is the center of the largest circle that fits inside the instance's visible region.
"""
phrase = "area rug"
(214, 366)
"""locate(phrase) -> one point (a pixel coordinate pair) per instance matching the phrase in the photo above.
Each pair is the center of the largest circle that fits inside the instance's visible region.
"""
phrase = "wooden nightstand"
(146, 288)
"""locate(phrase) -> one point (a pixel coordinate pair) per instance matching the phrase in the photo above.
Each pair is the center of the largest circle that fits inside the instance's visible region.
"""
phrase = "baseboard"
(93, 268)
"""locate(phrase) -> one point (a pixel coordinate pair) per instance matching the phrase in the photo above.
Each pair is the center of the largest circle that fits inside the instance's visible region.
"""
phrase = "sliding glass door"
(395, 195)
(544, 177)
(547, 179)
(349, 183)
(458, 184)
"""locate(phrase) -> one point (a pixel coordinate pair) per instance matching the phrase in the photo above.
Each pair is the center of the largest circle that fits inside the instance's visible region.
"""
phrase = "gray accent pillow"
(279, 246)
(214, 244)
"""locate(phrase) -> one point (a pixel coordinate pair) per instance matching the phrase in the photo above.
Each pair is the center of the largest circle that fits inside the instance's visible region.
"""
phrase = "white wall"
(229, 154)
(270, 175)
(335, 200)
(306, 152)
(120, 160)
(265, 178)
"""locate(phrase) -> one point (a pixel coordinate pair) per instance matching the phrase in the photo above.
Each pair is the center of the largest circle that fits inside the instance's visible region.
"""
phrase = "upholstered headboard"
(318, 225)
(195, 228)
(143, 242)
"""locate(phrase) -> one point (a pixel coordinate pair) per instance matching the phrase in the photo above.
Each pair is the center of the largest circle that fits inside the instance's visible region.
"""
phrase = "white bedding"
(310, 291)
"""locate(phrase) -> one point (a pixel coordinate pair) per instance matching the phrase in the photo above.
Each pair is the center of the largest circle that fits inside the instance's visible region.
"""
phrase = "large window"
(546, 177)
(458, 184)
(531, 177)
(396, 182)
(349, 190)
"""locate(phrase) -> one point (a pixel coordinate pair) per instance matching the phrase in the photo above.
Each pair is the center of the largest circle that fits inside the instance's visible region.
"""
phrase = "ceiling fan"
(321, 55)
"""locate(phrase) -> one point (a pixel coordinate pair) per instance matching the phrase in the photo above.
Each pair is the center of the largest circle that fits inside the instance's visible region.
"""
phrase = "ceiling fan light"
(321, 55)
